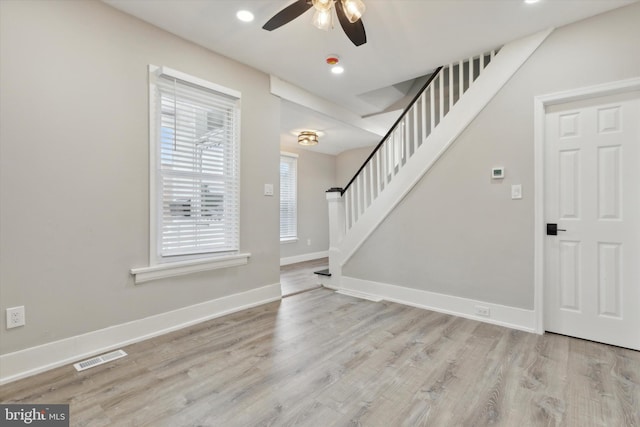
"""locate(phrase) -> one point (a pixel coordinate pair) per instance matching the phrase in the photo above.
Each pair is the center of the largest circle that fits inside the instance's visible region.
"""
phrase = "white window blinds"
(198, 179)
(288, 197)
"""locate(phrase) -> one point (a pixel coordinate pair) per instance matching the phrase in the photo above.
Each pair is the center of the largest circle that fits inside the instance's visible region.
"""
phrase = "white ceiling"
(405, 39)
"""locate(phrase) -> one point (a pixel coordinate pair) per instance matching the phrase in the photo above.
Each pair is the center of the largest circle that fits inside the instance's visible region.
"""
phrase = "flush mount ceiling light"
(307, 138)
(244, 15)
(349, 13)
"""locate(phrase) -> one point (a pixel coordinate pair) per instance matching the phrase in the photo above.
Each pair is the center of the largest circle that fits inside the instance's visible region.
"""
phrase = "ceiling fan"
(349, 14)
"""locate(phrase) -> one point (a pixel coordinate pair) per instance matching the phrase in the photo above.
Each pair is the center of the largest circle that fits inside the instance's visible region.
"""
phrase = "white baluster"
(387, 157)
(460, 79)
(388, 154)
(397, 144)
(432, 105)
(357, 194)
(481, 63)
(441, 94)
(405, 140)
(415, 127)
(362, 197)
(394, 151)
(378, 176)
(383, 168)
(347, 207)
(493, 54)
(371, 182)
(365, 190)
(354, 195)
(423, 110)
(451, 86)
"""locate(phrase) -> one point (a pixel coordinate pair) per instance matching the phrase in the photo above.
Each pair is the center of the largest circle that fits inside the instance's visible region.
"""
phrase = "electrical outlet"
(15, 317)
(308, 242)
(483, 311)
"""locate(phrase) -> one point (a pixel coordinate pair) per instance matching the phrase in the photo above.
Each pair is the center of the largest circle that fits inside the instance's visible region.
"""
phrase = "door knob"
(552, 229)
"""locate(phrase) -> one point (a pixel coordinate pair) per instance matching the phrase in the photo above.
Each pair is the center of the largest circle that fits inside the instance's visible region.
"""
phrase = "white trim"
(485, 87)
(297, 95)
(153, 169)
(304, 257)
(155, 226)
(360, 295)
(540, 104)
(179, 268)
(289, 240)
(31, 361)
(170, 72)
(287, 154)
(510, 317)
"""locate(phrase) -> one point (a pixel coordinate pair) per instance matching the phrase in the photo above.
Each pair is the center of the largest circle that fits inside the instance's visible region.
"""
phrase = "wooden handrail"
(404, 113)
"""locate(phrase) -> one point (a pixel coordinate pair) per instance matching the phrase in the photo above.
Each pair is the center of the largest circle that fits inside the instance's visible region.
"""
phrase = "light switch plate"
(268, 189)
(516, 191)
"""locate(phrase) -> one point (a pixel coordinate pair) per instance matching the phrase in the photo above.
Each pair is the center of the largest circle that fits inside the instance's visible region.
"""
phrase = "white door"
(592, 190)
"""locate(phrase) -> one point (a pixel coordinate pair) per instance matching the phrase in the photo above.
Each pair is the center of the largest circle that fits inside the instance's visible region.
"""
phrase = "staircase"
(426, 111)
(452, 97)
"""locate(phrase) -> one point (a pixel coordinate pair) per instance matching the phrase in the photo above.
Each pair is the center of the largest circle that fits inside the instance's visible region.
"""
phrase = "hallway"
(299, 277)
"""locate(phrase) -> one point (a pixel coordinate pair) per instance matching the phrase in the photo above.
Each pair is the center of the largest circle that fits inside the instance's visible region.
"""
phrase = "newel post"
(337, 228)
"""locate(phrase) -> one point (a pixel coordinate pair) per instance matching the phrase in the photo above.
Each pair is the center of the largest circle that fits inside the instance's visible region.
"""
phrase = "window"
(195, 134)
(288, 197)
(194, 176)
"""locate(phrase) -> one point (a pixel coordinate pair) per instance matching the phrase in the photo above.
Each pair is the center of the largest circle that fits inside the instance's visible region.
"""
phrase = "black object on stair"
(324, 272)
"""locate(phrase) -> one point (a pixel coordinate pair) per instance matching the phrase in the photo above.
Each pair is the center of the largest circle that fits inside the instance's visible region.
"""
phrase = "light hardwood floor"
(299, 277)
(323, 359)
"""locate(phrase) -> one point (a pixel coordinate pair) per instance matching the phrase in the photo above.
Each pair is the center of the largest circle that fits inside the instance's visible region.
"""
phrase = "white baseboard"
(31, 361)
(304, 257)
(511, 317)
(361, 295)
(328, 282)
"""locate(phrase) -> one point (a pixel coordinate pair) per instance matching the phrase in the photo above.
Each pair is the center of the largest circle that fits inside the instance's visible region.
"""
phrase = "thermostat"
(497, 173)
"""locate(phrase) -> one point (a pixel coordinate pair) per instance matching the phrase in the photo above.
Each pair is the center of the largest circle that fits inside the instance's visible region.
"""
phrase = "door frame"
(540, 105)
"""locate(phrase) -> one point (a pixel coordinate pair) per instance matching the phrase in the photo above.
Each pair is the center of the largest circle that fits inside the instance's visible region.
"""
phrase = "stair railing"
(442, 91)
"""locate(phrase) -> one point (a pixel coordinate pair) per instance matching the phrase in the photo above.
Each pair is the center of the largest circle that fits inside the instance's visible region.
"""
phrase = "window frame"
(174, 265)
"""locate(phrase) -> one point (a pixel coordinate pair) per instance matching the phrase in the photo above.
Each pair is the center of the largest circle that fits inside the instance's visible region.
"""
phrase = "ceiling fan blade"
(354, 31)
(287, 15)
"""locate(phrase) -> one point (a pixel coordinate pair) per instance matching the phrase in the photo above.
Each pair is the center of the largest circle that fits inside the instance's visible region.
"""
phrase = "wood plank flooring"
(299, 277)
(323, 359)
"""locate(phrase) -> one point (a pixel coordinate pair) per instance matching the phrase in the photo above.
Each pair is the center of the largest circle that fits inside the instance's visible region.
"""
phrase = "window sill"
(290, 240)
(160, 271)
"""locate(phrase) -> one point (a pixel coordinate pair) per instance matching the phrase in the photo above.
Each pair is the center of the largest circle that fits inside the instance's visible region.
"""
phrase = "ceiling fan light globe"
(322, 5)
(322, 19)
(353, 9)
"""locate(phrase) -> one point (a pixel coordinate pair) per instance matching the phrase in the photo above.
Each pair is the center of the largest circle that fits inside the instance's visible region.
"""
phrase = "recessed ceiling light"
(531, 1)
(337, 69)
(244, 16)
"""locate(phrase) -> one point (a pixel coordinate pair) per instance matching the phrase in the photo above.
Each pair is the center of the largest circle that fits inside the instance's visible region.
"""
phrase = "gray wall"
(458, 232)
(348, 162)
(74, 212)
(316, 174)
